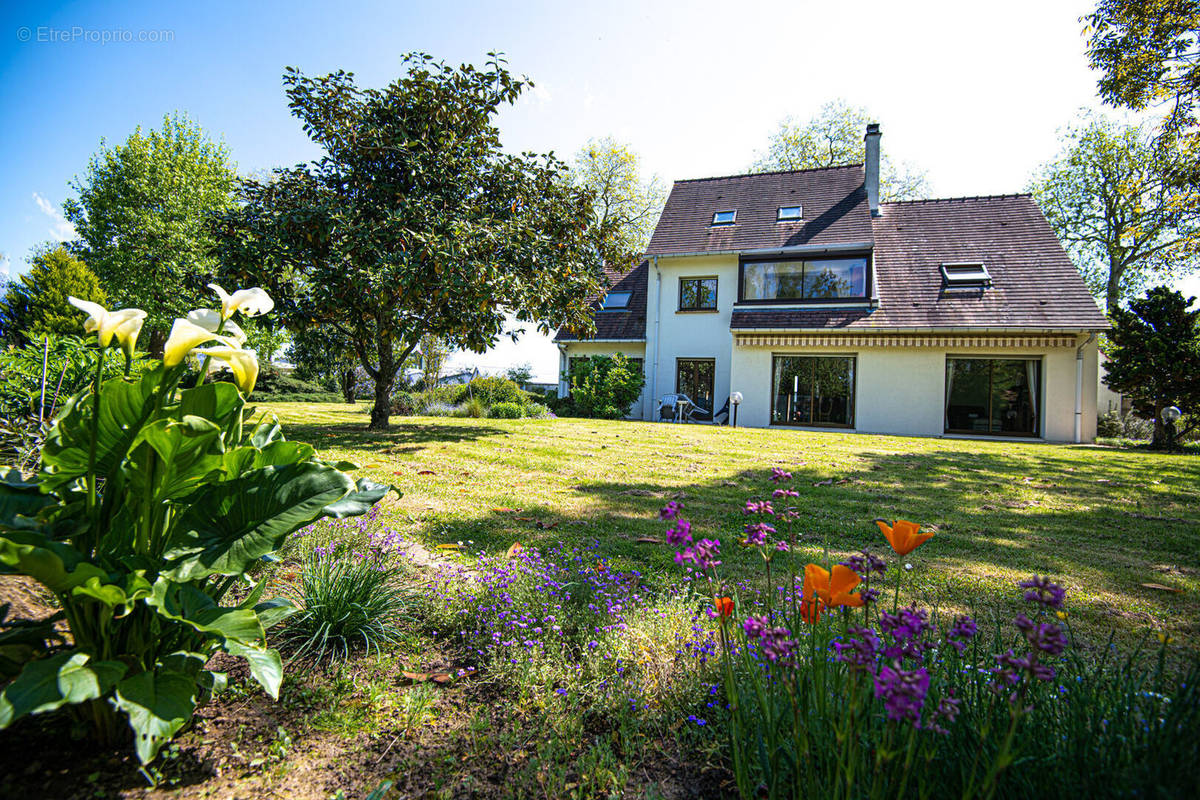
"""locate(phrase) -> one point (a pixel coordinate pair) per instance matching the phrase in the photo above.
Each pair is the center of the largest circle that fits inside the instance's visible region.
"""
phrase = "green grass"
(1102, 521)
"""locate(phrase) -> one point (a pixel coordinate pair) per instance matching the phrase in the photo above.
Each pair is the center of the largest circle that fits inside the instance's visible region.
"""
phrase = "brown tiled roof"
(627, 325)
(1034, 284)
(833, 199)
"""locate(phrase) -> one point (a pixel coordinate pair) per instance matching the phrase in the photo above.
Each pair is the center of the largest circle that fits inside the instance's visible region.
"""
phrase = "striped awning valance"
(903, 340)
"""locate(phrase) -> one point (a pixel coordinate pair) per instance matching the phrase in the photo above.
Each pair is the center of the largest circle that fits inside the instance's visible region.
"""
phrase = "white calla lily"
(187, 336)
(251, 302)
(244, 364)
(124, 325)
(210, 320)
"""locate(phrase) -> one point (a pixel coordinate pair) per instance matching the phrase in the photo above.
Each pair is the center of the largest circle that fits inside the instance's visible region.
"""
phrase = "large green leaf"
(189, 450)
(124, 405)
(265, 665)
(189, 605)
(50, 683)
(56, 565)
(158, 703)
(19, 498)
(366, 494)
(219, 403)
(274, 611)
(121, 598)
(227, 526)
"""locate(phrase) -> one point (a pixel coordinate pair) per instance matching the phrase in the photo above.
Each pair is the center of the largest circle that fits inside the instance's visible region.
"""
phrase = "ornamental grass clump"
(832, 691)
(349, 600)
(151, 505)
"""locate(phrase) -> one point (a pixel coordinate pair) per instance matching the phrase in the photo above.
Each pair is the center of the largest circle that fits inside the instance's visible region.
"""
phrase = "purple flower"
(670, 511)
(963, 629)
(1046, 637)
(754, 626)
(756, 532)
(866, 564)
(782, 546)
(1043, 591)
(777, 644)
(778, 475)
(903, 692)
(680, 533)
(861, 651)
(946, 711)
(907, 629)
(703, 554)
(778, 493)
(759, 507)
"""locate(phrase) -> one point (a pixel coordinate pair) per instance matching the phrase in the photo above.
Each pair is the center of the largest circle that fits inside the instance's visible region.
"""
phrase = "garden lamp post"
(1170, 416)
(735, 400)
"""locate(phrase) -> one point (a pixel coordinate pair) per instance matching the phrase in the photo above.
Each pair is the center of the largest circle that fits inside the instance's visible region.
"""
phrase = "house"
(826, 308)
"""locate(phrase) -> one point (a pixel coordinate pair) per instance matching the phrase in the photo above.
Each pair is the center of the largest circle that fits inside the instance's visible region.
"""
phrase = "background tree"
(1149, 54)
(520, 374)
(415, 221)
(435, 350)
(36, 304)
(1119, 216)
(141, 219)
(324, 356)
(832, 138)
(626, 207)
(1154, 357)
(605, 386)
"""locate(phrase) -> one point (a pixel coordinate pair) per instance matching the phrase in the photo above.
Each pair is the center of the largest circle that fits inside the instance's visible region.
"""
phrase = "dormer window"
(616, 301)
(724, 217)
(965, 274)
(789, 214)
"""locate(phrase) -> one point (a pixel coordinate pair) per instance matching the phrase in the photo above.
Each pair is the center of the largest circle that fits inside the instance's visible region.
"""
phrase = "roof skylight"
(724, 217)
(965, 274)
(616, 301)
(789, 213)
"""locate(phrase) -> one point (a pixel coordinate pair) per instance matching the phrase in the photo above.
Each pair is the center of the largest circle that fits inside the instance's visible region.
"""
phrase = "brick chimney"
(871, 164)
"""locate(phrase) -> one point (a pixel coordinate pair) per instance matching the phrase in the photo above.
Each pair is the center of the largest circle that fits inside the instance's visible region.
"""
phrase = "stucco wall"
(902, 390)
(688, 334)
(631, 349)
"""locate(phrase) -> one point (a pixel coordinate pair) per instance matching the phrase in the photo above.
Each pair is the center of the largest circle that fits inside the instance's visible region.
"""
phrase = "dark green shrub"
(404, 404)
(506, 411)
(492, 390)
(605, 386)
(347, 601)
(473, 408)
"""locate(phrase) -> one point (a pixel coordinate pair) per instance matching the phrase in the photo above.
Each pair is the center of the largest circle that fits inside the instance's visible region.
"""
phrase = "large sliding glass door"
(998, 396)
(813, 390)
(694, 377)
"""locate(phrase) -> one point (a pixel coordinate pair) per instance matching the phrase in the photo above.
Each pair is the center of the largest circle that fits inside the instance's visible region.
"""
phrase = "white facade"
(899, 388)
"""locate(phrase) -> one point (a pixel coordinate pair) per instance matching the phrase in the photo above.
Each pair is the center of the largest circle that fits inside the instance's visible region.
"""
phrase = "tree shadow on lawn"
(408, 437)
(1102, 526)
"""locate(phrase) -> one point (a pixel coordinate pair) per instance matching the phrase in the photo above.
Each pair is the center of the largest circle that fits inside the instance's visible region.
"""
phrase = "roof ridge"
(768, 172)
(959, 199)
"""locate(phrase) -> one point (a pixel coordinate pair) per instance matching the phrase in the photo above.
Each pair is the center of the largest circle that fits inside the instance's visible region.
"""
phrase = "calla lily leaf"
(366, 494)
(158, 704)
(50, 683)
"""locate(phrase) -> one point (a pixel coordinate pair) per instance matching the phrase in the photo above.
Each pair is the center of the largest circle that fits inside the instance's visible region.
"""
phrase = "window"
(724, 217)
(813, 390)
(993, 396)
(694, 377)
(965, 275)
(616, 301)
(697, 294)
(818, 279)
(789, 213)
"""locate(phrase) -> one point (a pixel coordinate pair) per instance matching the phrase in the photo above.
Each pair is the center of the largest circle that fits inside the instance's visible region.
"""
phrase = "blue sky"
(974, 93)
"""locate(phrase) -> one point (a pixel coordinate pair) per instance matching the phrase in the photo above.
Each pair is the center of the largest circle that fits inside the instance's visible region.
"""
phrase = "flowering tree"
(415, 222)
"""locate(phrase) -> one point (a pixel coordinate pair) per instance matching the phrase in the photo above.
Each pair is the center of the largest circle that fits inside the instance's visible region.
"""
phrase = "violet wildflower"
(860, 651)
(903, 692)
(758, 507)
(754, 626)
(866, 564)
(782, 546)
(1046, 637)
(946, 711)
(778, 493)
(670, 511)
(680, 533)
(963, 630)
(1043, 591)
(703, 554)
(778, 475)
(756, 533)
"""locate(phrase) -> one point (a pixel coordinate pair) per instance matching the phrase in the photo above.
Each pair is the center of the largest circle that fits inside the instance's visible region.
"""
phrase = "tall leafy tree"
(35, 303)
(415, 221)
(1124, 222)
(141, 218)
(435, 351)
(322, 355)
(832, 138)
(1154, 356)
(626, 205)
(1148, 52)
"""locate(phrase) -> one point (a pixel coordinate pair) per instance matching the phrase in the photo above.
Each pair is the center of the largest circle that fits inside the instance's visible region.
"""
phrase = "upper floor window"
(789, 213)
(616, 301)
(697, 294)
(970, 274)
(724, 217)
(815, 279)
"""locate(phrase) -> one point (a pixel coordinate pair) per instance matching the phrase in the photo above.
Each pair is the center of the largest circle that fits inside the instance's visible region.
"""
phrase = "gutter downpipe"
(564, 388)
(1079, 387)
(648, 413)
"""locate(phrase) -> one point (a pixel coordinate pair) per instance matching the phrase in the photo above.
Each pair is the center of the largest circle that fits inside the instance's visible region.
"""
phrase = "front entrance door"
(694, 377)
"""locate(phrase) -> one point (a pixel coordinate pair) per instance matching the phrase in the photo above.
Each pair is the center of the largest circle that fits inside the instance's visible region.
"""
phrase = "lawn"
(1119, 528)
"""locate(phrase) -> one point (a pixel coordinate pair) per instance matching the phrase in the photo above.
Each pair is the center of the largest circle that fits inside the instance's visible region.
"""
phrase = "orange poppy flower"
(724, 606)
(904, 536)
(834, 588)
(810, 610)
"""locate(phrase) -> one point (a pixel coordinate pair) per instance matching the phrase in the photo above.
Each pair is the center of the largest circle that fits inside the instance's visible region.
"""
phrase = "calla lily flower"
(244, 364)
(123, 325)
(834, 588)
(904, 536)
(186, 336)
(251, 302)
(210, 320)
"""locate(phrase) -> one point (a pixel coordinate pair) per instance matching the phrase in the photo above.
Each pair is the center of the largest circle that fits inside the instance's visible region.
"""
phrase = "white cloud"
(61, 229)
(537, 97)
